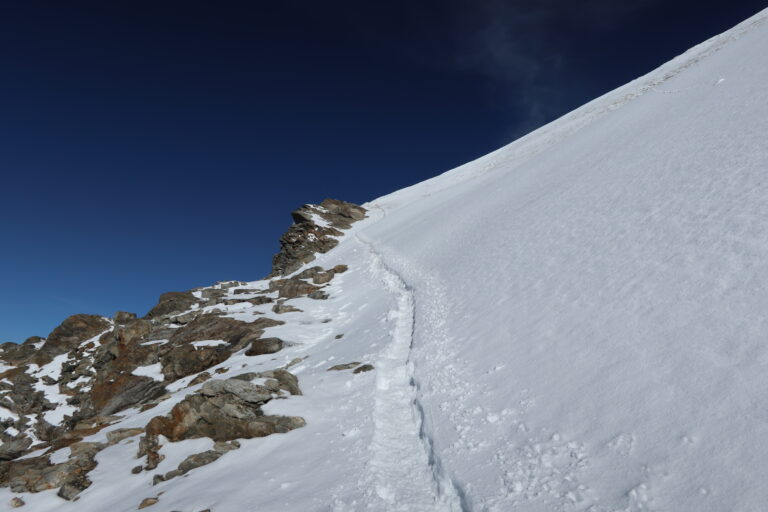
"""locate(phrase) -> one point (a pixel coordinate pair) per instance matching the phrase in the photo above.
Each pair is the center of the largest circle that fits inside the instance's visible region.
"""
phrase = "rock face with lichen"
(58, 393)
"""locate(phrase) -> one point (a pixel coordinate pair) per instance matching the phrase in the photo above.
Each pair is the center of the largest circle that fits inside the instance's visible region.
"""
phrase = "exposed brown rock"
(37, 474)
(345, 366)
(187, 360)
(305, 237)
(277, 380)
(123, 317)
(113, 393)
(265, 346)
(147, 502)
(117, 435)
(284, 308)
(170, 304)
(212, 327)
(223, 410)
(202, 377)
(72, 331)
(15, 354)
(291, 288)
(197, 460)
(363, 368)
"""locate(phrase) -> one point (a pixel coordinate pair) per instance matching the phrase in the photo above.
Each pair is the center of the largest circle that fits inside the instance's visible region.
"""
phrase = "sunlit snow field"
(575, 322)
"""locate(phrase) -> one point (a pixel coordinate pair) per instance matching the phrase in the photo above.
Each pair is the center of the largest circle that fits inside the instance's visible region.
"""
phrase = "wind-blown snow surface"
(574, 322)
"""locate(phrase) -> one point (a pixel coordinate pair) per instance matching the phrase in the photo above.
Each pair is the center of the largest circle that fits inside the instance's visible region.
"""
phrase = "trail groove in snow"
(405, 473)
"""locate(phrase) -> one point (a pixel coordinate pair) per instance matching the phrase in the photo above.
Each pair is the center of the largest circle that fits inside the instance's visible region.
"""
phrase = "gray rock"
(363, 368)
(318, 295)
(345, 366)
(244, 390)
(284, 308)
(117, 435)
(265, 346)
(170, 304)
(123, 317)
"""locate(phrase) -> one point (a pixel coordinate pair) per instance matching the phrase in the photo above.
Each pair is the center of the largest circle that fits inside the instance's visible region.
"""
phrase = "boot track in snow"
(405, 473)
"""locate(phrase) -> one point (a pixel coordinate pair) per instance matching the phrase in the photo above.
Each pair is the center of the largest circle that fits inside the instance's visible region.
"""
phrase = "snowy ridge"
(553, 133)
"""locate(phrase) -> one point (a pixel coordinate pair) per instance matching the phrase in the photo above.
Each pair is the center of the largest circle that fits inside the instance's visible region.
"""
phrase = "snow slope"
(575, 322)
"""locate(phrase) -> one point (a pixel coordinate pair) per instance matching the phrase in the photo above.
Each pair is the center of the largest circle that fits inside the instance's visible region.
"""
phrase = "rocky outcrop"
(265, 346)
(223, 410)
(38, 473)
(197, 460)
(171, 303)
(61, 389)
(67, 336)
(314, 230)
(113, 393)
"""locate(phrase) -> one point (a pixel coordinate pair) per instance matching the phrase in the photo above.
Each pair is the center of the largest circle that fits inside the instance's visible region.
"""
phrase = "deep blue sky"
(156, 146)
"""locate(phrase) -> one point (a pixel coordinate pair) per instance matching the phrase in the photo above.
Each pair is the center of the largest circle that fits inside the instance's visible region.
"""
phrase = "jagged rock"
(198, 459)
(117, 435)
(345, 366)
(291, 288)
(265, 346)
(323, 278)
(202, 377)
(320, 276)
(223, 411)
(12, 448)
(212, 327)
(318, 295)
(277, 380)
(309, 273)
(17, 502)
(15, 354)
(186, 317)
(247, 291)
(22, 397)
(294, 361)
(363, 368)
(341, 214)
(243, 390)
(123, 317)
(147, 502)
(113, 393)
(188, 360)
(306, 237)
(338, 336)
(37, 474)
(72, 331)
(284, 308)
(149, 447)
(212, 295)
(185, 359)
(256, 301)
(170, 304)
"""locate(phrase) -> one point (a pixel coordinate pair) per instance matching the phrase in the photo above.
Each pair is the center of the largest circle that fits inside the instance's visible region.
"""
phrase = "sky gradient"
(155, 146)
